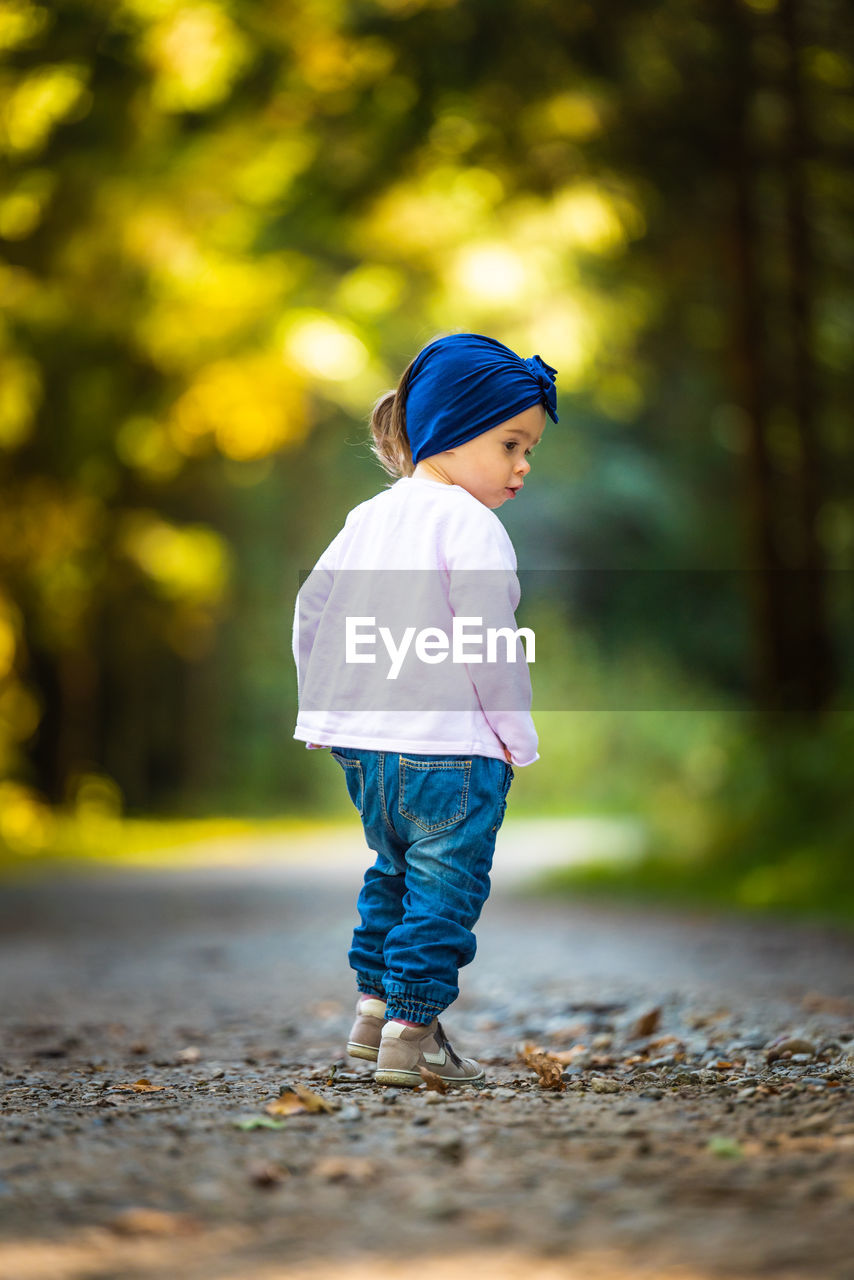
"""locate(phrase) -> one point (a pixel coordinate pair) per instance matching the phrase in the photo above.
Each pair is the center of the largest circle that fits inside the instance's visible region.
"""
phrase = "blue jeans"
(432, 822)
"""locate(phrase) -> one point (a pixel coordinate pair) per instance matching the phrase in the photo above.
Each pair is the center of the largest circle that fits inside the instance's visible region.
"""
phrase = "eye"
(509, 445)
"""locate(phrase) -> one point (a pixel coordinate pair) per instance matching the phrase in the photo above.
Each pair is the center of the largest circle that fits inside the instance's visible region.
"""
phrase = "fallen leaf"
(264, 1173)
(287, 1104)
(141, 1086)
(703, 1019)
(345, 1169)
(432, 1081)
(152, 1222)
(548, 1070)
(568, 1056)
(295, 1099)
(727, 1147)
(662, 1040)
(258, 1122)
(646, 1024)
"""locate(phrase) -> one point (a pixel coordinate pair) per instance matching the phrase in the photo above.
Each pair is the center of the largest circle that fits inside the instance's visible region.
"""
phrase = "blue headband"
(465, 384)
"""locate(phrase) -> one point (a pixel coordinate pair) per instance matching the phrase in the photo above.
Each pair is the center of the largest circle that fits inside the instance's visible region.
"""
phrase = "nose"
(523, 466)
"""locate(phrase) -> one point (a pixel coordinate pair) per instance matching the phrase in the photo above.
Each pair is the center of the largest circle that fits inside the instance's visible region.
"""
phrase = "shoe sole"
(365, 1051)
(412, 1078)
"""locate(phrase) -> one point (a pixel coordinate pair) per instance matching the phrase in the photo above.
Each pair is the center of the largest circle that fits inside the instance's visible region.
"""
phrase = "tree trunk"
(749, 375)
(811, 655)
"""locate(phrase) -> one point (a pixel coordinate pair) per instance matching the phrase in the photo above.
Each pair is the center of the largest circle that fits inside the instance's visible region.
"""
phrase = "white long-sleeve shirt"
(415, 561)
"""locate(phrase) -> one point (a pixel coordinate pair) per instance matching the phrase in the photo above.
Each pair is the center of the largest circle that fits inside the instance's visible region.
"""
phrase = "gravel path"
(681, 1141)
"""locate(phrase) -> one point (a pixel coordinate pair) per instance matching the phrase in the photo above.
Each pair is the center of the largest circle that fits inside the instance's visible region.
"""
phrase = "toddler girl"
(426, 721)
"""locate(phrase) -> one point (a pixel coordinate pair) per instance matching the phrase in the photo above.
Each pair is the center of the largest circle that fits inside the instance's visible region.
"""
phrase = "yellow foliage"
(26, 822)
(39, 101)
(269, 169)
(567, 115)
(21, 210)
(324, 348)
(329, 62)
(370, 289)
(20, 397)
(249, 407)
(145, 444)
(437, 210)
(202, 298)
(197, 53)
(190, 564)
(20, 712)
(9, 626)
(492, 273)
(95, 796)
(20, 21)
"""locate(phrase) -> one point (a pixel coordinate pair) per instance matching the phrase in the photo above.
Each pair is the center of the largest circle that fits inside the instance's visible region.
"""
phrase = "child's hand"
(507, 756)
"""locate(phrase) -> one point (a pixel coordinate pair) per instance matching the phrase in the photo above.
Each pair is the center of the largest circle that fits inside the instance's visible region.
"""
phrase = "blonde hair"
(388, 424)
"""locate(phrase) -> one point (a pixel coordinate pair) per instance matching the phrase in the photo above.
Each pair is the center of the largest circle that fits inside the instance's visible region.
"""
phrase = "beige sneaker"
(404, 1049)
(364, 1039)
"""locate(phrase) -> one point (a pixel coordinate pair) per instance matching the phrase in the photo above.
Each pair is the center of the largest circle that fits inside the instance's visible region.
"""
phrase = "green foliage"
(743, 819)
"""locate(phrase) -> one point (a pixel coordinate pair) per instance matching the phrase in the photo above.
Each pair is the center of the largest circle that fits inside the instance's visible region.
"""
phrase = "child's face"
(493, 466)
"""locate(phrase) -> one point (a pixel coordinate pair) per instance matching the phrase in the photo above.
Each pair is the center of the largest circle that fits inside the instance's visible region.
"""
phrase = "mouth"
(513, 489)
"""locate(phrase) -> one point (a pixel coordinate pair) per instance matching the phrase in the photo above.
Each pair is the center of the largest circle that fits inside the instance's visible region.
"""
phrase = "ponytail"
(388, 426)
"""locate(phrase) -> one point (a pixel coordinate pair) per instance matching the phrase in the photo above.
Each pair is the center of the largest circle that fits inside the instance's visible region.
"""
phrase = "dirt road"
(683, 1143)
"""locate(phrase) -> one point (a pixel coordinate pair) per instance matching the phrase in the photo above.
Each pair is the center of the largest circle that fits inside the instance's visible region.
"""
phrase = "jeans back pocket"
(355, 779)
(508, 778)
(434, 793)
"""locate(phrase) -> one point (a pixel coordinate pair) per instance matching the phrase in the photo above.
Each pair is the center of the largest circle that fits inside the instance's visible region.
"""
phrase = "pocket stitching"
(508, 778)
(345, 762)
(436, 766)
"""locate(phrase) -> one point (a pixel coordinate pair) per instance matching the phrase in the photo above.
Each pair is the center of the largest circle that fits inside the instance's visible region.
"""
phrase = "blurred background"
(226, 228)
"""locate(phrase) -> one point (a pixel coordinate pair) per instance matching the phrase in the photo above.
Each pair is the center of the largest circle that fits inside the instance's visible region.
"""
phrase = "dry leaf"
(297, 1099)
(662, 1040)
(698, 1020)
(313, 1101)
(646, 1024)
(264, 1173)
(141, 1086)
(345, 1169)
(287, 1104)
(528, 1046)
(547, 1068)
(152, 1222)
(432, 1081)
(568, 1056)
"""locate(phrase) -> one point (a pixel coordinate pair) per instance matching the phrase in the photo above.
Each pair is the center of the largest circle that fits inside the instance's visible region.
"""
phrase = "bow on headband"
(545, 375)
(465, 384)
